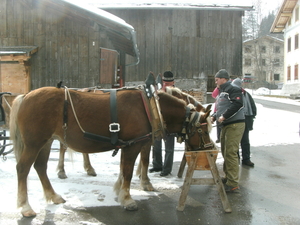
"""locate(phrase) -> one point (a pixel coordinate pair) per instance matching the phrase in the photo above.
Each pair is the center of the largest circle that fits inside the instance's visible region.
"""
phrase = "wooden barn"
(193, 41)
(43, 42)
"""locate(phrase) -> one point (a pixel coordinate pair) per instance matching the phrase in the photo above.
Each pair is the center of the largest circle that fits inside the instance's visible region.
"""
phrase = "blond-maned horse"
(37, 118)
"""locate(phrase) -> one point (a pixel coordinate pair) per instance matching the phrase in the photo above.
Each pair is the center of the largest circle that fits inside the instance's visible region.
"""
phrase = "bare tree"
(255, 28)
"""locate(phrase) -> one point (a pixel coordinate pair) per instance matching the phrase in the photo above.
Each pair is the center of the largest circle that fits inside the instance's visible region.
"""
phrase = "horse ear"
(207, 114)
(159, 81)
(208, 108)
(150, 80)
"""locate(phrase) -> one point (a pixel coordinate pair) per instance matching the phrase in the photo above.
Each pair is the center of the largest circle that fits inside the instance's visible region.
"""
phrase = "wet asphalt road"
(269, 194)
(277, 105)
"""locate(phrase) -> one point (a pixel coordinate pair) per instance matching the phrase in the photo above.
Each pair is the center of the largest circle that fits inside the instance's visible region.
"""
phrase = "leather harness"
(114, 126)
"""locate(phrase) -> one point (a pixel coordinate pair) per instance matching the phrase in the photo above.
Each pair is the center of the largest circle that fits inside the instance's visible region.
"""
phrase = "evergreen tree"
(265, 26)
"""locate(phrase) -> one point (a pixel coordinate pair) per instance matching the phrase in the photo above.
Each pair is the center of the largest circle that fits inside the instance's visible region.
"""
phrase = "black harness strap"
(120, 143)
(114, 127)
(65, 113)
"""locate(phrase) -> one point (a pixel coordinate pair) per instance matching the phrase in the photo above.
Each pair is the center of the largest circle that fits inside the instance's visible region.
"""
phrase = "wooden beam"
(12, 57)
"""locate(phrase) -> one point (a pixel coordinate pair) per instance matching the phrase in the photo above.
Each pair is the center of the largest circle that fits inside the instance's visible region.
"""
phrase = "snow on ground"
(81, 190)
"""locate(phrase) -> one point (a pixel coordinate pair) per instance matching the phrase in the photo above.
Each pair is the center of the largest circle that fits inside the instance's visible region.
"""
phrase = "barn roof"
(121, 34)
(264, 37)
(177, 5)
(283, 16)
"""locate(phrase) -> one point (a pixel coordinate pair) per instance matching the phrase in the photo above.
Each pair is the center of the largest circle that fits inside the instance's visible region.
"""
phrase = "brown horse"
(37, 119)
(86, 160)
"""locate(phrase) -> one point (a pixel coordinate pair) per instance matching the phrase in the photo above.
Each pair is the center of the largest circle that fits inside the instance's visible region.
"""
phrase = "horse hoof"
(29, 214)
(147, 186)
(62, 175)
(58, 200)
(131, 207)
(91, 173)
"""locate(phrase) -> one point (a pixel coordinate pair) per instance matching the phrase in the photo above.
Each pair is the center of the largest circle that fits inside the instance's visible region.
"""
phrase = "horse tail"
(14, 131)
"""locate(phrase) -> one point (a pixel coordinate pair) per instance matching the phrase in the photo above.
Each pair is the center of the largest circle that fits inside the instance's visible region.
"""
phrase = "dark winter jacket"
(250, 110)
(230, 104)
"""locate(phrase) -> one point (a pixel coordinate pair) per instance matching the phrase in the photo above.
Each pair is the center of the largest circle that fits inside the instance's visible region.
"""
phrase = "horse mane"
(178, 91)
(181, 94)
(208, 120)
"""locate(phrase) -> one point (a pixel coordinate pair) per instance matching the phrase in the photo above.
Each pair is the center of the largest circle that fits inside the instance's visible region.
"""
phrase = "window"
(263, 62)
(296, 72)
(296, 41)
(290, 22)
(263, 49)
(277, 49)
(247, 62)
(296, 14)
(276, 76)
(289, 44)
(276, 62)
(248, 49)
(288, 73)
(247, 78)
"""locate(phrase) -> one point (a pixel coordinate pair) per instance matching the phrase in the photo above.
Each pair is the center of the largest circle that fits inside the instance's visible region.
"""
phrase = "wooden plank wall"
(187, 42)
(69, 47)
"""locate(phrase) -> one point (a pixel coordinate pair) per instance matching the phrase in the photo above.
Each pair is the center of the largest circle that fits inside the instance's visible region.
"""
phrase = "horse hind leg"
(40, 166)
(87, 165)
(61, 166)
(23, 167)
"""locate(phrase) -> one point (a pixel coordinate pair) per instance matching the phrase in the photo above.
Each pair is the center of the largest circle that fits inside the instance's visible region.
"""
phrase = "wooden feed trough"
(201, 160)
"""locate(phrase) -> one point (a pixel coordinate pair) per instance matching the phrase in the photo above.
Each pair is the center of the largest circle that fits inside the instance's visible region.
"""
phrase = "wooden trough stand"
(201, 160)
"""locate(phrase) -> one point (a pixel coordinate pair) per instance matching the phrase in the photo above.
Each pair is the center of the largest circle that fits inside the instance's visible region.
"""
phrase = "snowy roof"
(122, 34)
(17, 50)
(266, 36)
(177, 5)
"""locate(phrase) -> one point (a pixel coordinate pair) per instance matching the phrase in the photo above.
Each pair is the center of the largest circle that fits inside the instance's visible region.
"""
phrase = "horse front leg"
(87, 165)
(122, 185)
(143, 168)
(61, 167)
(40, 166)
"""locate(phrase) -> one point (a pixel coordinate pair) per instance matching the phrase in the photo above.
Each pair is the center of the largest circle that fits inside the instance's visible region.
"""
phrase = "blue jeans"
(169, 154)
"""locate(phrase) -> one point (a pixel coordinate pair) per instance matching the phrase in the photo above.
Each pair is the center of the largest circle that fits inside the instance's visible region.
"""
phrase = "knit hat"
(222, 74)
(237, 82)
(168, 76)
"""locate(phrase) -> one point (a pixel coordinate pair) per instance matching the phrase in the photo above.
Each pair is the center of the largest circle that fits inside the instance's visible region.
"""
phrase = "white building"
(287, 22)
(263, 62)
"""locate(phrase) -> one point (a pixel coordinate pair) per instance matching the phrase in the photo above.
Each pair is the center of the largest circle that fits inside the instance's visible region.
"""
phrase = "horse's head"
(185, 96)
(192, 126)
(197, 128)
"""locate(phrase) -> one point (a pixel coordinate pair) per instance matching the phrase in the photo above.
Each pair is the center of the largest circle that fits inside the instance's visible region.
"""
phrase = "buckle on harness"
(114, 127)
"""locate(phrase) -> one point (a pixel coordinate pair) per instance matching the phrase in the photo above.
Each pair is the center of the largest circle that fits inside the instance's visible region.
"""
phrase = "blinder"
(191, 127)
